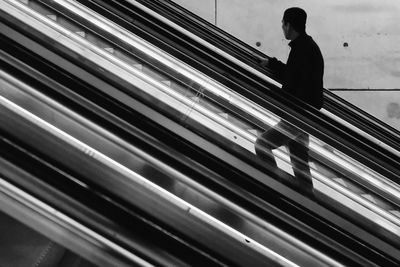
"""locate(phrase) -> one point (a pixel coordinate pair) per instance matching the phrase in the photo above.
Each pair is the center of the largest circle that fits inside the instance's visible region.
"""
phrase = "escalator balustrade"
(146, 182)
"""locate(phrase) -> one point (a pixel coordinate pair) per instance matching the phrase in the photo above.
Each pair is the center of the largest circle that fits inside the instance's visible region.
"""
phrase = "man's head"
(294, 22)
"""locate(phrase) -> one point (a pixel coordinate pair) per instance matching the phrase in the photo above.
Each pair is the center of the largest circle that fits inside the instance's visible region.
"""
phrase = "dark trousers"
(297, 143)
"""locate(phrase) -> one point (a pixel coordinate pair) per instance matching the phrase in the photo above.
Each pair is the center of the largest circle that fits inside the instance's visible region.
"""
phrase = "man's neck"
(294, 35)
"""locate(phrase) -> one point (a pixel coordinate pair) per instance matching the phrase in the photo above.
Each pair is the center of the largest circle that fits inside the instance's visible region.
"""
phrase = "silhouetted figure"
(302, 77)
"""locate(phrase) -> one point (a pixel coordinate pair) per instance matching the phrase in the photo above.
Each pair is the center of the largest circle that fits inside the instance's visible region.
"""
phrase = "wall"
(360, 39)
(383, 104)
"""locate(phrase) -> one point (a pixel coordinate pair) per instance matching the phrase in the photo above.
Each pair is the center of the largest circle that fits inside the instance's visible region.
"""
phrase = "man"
(302, 77)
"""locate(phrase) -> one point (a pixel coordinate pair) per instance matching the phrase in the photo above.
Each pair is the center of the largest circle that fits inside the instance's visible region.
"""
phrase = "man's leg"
(270, 139)
(298, 149)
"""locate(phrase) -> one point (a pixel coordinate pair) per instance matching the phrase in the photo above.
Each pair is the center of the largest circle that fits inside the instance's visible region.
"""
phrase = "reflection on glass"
(20, 246)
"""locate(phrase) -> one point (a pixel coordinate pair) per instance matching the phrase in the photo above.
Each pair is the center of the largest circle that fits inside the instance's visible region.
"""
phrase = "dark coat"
(302, 75)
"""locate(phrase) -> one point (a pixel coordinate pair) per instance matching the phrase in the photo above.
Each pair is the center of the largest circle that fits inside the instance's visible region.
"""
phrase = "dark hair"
(297, 17)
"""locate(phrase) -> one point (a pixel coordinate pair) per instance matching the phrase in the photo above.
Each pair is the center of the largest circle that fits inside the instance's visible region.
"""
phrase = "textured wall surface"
(203, 8)
(384, 105)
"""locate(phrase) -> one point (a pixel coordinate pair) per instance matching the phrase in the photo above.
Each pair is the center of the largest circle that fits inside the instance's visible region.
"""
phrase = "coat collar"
(300, 39)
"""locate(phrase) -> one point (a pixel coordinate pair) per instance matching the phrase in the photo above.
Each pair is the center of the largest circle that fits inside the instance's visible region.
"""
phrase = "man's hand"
(262, 61)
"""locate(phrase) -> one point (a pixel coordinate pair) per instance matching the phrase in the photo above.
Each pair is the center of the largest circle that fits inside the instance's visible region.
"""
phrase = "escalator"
(231, 72)
(379, 155)
(124, 173)
(50, 217)
(133, 18)
(195, 107)
(242, 55)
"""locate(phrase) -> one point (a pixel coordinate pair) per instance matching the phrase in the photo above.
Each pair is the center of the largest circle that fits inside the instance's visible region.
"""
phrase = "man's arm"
(276, 66)
(263, 61)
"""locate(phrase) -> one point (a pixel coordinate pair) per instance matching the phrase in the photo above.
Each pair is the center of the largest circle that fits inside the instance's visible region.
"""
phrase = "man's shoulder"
(312, 46)
(310, 41)
(305, 41)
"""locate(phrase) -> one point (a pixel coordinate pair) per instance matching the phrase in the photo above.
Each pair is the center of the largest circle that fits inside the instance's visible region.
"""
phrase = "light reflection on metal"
(140, 180)
(365, 208)
(76, 230)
